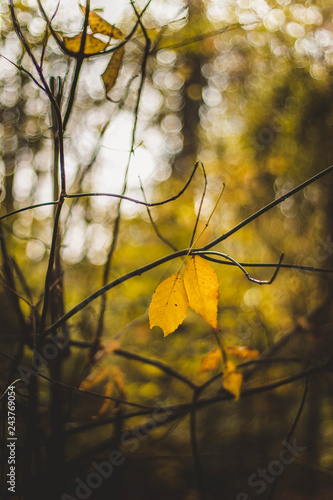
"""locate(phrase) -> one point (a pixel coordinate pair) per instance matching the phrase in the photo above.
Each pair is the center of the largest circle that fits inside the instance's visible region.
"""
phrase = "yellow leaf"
(107, 402)
(169, 304)
(211, 361)
(92, 45)
(242, 352)
(202, 289)
(108, 348)
(232, 379)
(110, 75)
(99, 25)
(95, 378)
(119, 379)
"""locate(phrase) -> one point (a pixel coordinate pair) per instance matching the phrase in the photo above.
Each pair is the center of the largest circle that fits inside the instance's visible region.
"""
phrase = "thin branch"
(198, 38)
(28, 208)
(139, 202)
(116, 225)
(21, 68)
(195, 451)
(70, 53)
(154, 225)
(98, 293)
(200, 205)
(9, 386)
(13, 291)
(270, 265)
(96, 394)
(52, 256)
(290, 434)
(268, 207)
(79, 58)
(176, 411)
(47, 34)
(249, 277)
(158, 364)
(19, 33)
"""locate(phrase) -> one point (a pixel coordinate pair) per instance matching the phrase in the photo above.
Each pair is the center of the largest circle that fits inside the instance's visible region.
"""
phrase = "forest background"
(207, 111)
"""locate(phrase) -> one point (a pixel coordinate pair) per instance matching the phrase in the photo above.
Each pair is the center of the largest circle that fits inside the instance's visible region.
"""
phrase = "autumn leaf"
(202, 289)
(98, 25)
(169, 304)
(108, 348)
(92, 44)
(211, 361)
(242, 352)
(110, 75)
(232, 379)
(107, 402)
(119, 379)
(95, 378)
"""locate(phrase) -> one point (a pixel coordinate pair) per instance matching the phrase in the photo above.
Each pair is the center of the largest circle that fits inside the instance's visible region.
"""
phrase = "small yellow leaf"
(169, 304)
(92, 45)
(95, 378)
(110, 75)
(211, 361)
(202, 289)
(119, 379)
(107, 402)
(242, 352)
(108, 348)
(232, 379)
(99, 25)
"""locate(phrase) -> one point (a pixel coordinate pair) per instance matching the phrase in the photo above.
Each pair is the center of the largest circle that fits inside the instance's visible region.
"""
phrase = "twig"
(200, 205)
(134, 200)
(162, 366)
(195, 451)
(249, 277)
(290, 434)
(267, 208)
(116, 224)
(79, 58)
(157, 231)
(30, 207)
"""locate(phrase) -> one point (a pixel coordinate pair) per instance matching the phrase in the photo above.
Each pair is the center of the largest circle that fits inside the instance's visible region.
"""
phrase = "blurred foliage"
(245, 87)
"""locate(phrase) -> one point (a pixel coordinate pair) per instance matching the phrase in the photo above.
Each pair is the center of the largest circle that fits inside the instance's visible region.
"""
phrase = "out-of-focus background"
(245, 87)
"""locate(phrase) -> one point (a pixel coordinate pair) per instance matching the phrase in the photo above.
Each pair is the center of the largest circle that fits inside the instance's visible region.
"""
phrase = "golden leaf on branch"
(92, 44)
(211, 361)
(169, 304)
(232, 379)
(202, 289)
(98, 25)
(242, 352)
(111, 73)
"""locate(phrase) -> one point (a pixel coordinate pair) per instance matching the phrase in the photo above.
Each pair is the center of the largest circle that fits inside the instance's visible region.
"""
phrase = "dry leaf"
(242, 352)
(98, 25)
(107, 402)
(202, 289)
(211, 361)
(119, 379)
(169, 304)
(92, 44)
(95, 377)
(110, 75)
(232, 379)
